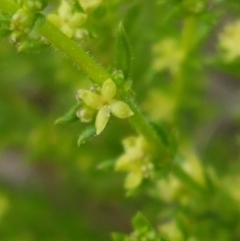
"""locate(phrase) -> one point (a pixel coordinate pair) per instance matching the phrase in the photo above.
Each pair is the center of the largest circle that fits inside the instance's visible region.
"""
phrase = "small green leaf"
(86, 134)
(123, 53)
(141, 223)
(161, 133)
(70, 116)
(78, 6)
(106, 165)
(28, 46)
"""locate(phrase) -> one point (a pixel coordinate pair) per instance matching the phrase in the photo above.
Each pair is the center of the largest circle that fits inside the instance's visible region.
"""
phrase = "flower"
(229, 41)
(159, 105)
(135, 161)
(68, 20)
(105, 104)
(168, 55)
(171, 230)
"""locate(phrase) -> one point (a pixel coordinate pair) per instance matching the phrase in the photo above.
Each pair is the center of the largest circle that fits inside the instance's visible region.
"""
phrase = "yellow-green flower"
(168, 55)
(135, 161)
(229, 41)
(171, 230)
(105, 104)
(68, 21)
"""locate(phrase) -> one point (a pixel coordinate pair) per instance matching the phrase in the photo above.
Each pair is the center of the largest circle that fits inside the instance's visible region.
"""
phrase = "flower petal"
(124, 163)
(77, 19)
(109, 90)
(133, 180)
(66, 29)
(102, 118)
(65, 10)
(89, 98)
(120, 109)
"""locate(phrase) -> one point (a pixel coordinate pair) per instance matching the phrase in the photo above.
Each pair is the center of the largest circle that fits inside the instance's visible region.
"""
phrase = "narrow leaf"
(70, 116)
(86, 134)
(123, 53)
(106, 165)
(77, 6)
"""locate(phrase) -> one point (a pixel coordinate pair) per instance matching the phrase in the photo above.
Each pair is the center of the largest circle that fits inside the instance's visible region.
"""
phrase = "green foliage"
(142, 231)
(86, 134)
(170, 76)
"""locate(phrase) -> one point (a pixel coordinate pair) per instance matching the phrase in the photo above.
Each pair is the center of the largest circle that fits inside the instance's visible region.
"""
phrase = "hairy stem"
(76, 54)
(141, 124)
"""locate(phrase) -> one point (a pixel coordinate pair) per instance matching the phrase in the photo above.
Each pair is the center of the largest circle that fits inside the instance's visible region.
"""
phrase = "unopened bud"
(34, 5)
(85, 114)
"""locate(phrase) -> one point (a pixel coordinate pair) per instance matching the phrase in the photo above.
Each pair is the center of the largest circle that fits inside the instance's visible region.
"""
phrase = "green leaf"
(106, 165)
(78, 6)
(141, 223)
(86, 134)
(70, 116)
(123, 53)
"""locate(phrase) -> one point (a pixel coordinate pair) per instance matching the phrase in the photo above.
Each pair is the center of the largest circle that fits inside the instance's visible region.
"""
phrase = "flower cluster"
(229, 41)
(171, 189)
(69, 21)
(136, 161)
(22, 21)
(168, 55)
(102, 100)
(159, 105)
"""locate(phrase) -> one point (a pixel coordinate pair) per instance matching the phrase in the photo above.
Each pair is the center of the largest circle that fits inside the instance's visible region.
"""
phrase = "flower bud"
(22, 20)
(78, 19)
(34, 5)
(15, 37)
(85, 114)
(81, 34)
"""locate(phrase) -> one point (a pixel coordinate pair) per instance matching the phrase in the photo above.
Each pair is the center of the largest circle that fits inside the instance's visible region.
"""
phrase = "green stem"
(76, 54)
(188, 34)
(141, 124)
(187, 179)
